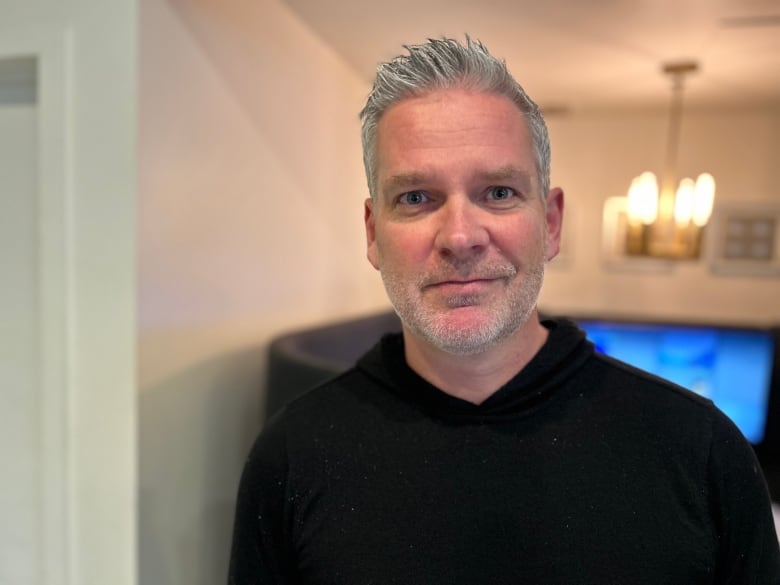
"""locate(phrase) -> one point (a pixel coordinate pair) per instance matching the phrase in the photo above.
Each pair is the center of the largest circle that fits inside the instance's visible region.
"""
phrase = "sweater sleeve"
(261, 553)
(748, 552)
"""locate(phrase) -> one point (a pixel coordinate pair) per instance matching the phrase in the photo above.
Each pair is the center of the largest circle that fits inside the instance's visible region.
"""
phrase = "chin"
(464, 336)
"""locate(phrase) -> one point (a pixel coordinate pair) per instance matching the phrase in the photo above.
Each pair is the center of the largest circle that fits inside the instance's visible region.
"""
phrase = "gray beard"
(504, 320)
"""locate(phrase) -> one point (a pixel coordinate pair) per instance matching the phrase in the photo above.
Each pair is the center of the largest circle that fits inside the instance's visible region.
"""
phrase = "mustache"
(467, 271)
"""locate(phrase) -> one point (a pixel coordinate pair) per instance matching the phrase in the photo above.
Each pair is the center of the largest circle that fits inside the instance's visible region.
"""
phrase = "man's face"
(459, 230)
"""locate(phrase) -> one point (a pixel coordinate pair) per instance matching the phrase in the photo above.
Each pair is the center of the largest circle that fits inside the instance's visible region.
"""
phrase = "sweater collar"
(564, 352)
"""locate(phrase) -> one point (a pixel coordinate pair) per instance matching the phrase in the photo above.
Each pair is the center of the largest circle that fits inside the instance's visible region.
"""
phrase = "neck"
(476, 377)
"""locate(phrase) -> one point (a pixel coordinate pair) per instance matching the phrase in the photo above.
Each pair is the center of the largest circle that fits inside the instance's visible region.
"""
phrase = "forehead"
(455, 129)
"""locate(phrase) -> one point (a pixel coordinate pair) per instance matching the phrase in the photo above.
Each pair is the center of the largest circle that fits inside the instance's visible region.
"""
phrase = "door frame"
(50, 47)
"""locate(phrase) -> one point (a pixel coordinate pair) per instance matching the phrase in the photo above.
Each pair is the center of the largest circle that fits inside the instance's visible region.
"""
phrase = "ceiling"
(571, 54)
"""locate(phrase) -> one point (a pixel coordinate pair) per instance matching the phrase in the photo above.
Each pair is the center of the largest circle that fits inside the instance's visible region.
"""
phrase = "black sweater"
(580, 470)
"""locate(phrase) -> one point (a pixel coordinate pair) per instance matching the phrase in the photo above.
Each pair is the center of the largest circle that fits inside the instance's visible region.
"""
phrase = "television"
(735, 367)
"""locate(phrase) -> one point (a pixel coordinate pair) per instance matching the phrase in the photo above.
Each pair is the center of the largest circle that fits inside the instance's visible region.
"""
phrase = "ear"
(554, 219)
(370, 220)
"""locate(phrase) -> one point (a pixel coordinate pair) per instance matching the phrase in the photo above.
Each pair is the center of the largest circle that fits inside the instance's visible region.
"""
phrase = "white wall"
(595, 156)
(251, 194)
(21, 544)
(80, 250)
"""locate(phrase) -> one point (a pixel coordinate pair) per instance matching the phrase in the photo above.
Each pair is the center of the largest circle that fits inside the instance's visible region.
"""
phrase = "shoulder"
(327, 415)
(333, 399)
(667, 423)
(624, 383)
(362, 392)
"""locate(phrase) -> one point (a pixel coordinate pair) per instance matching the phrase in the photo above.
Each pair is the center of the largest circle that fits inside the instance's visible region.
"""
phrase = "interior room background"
(249, 223)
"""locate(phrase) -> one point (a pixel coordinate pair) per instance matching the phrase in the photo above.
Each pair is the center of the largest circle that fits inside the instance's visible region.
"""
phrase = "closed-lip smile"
(462, 285)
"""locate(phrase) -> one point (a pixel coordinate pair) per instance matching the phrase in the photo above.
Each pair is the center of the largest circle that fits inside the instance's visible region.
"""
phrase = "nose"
(461, 232)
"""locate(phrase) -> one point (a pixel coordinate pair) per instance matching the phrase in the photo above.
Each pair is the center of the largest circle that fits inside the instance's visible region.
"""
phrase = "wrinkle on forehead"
(470, 136)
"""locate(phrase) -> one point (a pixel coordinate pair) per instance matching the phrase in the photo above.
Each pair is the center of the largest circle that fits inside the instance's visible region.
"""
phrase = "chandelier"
(668, 223)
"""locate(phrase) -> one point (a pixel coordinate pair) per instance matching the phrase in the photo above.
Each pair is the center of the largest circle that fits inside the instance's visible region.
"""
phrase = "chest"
(422, 503)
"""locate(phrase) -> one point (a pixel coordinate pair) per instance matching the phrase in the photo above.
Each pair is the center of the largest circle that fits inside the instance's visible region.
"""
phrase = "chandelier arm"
(669, 182)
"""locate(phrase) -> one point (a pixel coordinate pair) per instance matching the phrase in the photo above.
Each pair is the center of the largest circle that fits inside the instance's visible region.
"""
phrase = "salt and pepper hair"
(442, 64)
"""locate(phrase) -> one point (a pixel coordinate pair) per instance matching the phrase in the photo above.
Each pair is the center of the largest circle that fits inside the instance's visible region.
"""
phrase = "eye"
(501, 193)
(413, 198)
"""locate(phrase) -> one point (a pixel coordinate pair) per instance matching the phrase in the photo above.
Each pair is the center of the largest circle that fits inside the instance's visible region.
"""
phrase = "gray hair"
(441, 64)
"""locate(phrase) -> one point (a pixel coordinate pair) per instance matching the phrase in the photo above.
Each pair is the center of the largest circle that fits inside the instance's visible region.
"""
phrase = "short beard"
(503, 321)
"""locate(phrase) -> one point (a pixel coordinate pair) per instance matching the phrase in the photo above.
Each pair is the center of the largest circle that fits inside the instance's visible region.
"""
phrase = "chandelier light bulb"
(642, 204)
(703, 199)
(683, 202)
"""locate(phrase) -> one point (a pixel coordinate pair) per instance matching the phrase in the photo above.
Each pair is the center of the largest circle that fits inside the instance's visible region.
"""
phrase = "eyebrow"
(403, 181)
(508, 172)
(415, 179)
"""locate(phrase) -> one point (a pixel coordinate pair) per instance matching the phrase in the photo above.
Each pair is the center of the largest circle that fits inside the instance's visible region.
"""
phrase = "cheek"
(399, 247)
(525, 240)
(387, 256)
(381, 250)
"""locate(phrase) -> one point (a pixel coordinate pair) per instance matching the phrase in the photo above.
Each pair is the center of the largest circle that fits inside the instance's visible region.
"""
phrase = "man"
(482, 446)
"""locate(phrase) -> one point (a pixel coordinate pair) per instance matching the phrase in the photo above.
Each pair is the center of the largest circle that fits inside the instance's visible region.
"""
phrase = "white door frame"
(51, 49)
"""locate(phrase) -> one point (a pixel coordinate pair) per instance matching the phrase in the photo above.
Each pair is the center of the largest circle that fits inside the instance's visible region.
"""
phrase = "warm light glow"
(683, 202)
(703, 199)
(668, 224)
(642, 204)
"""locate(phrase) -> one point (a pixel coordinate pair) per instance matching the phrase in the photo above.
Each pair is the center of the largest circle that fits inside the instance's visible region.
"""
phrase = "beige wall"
(251, 194)
(595, 156)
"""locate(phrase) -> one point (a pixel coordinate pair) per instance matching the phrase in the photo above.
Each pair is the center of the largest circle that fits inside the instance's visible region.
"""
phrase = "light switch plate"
(744, 240)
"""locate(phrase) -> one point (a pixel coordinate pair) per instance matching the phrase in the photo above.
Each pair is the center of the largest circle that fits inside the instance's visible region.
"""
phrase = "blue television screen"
(731, 367)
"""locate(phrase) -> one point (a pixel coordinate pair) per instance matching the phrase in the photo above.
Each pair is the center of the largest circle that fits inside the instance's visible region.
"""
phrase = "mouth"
(475, 279)
(457, 282)
(457, 286)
